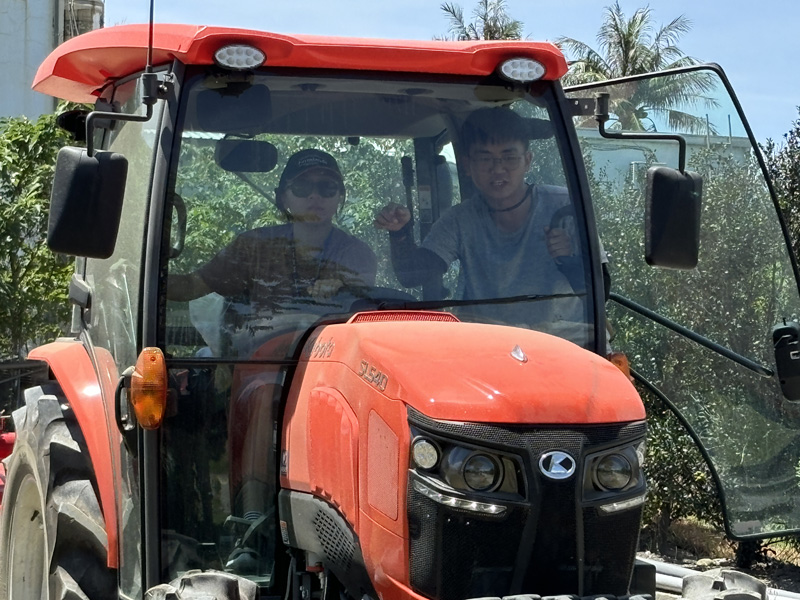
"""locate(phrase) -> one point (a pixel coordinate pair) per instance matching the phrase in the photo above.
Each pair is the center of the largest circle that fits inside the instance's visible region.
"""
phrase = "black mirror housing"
(786, 340)
(672, 218)
(86, 202)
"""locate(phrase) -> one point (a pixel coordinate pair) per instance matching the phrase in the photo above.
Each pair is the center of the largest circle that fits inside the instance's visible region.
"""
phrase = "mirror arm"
(96, 114)
(601, 116)
(152, 90)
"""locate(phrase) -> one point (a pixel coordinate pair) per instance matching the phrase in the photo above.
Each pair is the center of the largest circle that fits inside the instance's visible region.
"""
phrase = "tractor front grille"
(549, 544)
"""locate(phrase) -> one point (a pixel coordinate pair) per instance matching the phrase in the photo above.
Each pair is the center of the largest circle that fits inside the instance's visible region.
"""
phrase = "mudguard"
(91, 398)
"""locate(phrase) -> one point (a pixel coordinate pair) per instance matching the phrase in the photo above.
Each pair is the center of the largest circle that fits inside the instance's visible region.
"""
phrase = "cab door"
(701, 339)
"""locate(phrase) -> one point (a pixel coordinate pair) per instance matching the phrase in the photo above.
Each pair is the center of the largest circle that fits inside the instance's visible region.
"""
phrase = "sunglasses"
(303, 188)
(484, 162)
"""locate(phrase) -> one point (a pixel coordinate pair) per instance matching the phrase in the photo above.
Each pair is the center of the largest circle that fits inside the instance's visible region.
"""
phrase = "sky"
(756, 43)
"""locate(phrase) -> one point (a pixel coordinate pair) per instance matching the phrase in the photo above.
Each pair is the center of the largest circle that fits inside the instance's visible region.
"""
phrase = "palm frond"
(459, 29)
(491, 22)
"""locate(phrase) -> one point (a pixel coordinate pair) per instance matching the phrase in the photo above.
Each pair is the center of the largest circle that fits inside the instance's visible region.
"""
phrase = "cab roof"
(81, 67)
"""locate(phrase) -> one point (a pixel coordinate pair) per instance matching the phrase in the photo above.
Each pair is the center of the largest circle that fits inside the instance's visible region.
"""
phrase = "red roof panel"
(78, 69)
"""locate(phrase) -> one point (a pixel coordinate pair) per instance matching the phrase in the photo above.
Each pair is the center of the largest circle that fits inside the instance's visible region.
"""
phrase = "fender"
(91, 400)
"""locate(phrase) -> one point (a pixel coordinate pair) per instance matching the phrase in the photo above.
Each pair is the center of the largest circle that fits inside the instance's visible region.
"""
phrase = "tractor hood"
(475, 372)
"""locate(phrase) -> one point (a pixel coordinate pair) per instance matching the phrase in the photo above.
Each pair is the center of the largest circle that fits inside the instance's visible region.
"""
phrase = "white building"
(29, 31)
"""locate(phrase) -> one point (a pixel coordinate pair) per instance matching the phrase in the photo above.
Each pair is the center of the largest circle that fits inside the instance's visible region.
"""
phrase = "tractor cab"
(236, 210)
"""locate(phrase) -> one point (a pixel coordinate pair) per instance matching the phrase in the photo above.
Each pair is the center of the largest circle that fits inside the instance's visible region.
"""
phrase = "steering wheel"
(250, 332)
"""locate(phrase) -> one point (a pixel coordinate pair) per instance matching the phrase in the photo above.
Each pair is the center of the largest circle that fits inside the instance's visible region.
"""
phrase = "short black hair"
(495, 124)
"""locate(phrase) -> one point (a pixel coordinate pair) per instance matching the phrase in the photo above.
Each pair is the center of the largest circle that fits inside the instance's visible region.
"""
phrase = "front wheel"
(53, 543)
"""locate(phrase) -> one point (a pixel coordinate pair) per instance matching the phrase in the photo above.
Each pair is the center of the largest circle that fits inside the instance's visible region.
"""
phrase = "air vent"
(336, 543)
(402, 315)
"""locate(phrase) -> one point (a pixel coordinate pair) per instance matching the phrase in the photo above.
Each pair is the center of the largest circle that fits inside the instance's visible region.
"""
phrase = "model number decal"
(373, 375)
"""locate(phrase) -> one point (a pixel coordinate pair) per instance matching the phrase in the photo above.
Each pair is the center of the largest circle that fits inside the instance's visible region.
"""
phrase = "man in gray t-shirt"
(503, 264)
(504, 238)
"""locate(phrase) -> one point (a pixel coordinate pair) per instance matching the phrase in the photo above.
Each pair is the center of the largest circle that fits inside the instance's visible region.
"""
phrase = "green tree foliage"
(492, 22)
(740, 289)
(633, 46)
(679, 483)
(33, 281)
(783, 163)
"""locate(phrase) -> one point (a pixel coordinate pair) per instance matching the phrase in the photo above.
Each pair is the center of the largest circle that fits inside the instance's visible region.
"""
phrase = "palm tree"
(633, 47)
(492, 22)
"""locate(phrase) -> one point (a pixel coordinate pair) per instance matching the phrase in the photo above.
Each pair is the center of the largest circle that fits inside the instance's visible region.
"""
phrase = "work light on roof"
(239, 57)
(523, 70)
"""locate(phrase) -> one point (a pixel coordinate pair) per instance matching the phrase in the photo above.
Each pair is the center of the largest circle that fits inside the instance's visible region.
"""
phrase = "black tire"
(53, 543)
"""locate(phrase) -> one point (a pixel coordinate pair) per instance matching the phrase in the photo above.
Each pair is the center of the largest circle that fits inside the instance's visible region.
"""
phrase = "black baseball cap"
(311, 158)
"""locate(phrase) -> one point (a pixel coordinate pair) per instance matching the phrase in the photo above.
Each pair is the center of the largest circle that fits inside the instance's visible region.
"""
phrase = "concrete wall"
(27, 35)
(29, 31)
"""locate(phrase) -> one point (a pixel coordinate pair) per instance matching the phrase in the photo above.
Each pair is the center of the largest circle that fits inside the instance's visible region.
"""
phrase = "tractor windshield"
(299, 199)
(279, 181)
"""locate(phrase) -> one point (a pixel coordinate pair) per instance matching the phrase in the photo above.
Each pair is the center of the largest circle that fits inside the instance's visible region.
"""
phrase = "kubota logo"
(557, 465)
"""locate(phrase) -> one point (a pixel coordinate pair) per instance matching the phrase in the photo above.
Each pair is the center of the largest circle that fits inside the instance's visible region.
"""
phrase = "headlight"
(640, 453)
(424, 453)
(481, 472)
(613, 472)
(455, 467)
(471, 470)
(613, 479)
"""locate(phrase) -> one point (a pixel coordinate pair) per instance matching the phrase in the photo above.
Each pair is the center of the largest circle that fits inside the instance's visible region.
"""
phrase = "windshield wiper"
(437, 304)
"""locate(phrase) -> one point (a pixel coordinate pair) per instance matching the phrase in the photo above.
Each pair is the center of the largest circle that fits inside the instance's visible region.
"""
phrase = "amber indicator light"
(149, 388)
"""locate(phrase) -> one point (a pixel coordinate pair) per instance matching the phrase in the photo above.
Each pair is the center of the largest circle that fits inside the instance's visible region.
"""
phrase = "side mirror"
(672, 218)
(786, 340)
(245, 156)
(86, 202)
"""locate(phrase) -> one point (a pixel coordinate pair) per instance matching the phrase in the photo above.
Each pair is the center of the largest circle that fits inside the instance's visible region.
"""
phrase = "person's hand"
(393, 217)
(324, 288)
(559, 243)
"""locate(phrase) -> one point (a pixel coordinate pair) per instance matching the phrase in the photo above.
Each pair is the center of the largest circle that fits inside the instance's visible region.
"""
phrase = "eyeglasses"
(303, 188)
(485, 162)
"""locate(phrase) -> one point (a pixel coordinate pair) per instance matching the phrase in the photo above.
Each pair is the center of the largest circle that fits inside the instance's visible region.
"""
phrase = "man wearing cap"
(307, 258)
(273, 273)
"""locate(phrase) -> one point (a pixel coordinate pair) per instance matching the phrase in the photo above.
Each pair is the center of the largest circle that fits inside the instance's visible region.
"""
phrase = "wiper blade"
(436, 304)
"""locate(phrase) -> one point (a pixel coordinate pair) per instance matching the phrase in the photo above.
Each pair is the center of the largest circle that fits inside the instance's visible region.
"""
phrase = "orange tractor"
(209, 430)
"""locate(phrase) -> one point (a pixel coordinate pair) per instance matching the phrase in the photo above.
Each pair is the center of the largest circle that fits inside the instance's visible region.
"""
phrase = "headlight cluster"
(613, 472)
(446, 466)
(614, 479)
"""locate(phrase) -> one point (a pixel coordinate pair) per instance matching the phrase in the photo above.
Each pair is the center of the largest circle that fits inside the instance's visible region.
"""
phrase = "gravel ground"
(775, 573)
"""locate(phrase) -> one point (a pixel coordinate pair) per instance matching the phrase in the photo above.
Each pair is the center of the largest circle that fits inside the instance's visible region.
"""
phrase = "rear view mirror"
(86, 202)
(672, 218)
(786, 340)
(245, 156)
(235, 108)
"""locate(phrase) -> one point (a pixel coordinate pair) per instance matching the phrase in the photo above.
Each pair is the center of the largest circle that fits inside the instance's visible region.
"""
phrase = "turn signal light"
(149, 388)
(619, 360)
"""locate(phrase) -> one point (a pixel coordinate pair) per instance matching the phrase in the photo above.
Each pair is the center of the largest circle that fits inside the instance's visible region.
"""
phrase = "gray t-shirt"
(496, 264)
